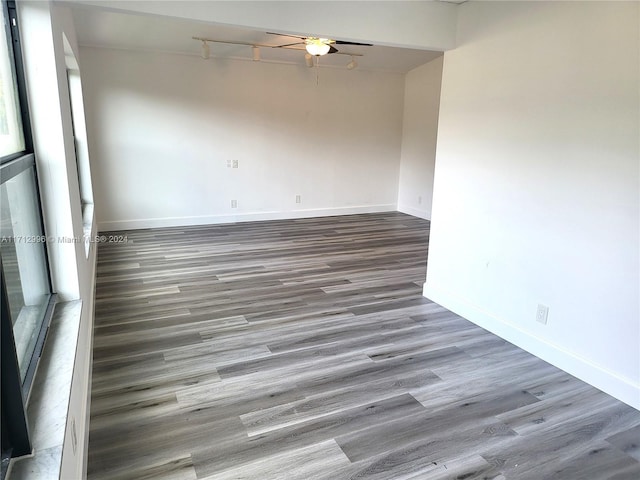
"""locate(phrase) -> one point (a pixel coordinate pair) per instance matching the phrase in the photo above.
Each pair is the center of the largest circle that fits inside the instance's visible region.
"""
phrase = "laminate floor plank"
(385, 411)
(118, 327)
(323, 460)
(476, 425)
(160, 468)
(148, 313)
(152, 344)
(221, 399)
(303, 349)
(120, 395)
(627, 441)
(328, 400)
(562, 447)
(410, 463)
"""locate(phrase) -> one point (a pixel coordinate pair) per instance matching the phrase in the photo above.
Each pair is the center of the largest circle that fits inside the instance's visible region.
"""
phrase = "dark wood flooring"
(303, 349)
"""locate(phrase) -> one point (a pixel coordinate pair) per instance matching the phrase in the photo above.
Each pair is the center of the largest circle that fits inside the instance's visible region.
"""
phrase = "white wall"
(536, 183)
(419, 131)
(53, 144)
(164, 127)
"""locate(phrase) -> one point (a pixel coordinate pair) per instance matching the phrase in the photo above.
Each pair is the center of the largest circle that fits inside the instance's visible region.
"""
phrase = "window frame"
(15, 391)
(13, 38)
(10, 170)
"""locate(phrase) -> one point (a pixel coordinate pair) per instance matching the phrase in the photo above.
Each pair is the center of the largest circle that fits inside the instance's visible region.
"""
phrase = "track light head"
(309, 59)
(352, 64)
(205, 50)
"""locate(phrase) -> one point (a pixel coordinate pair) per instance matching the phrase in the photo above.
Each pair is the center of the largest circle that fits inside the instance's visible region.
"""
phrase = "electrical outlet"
(297, 198)
(235, 164)
(542, 314)
(228, 163)
(234, 204)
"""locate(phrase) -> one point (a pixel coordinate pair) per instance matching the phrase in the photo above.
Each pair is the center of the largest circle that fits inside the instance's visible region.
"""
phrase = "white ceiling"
(102, 28)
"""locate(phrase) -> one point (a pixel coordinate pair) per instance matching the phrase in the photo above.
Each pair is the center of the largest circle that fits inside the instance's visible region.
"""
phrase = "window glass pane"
(23, 262)
(11, 135)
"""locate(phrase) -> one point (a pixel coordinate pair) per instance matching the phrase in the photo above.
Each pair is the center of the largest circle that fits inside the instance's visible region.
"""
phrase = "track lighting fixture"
(205, 50)
(352, 64)
(309, 59)
(256, 53)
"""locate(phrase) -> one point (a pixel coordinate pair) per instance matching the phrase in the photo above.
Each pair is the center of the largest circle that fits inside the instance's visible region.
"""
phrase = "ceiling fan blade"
(341, 42)
(286, 35)
(288, 45)
(332, 49)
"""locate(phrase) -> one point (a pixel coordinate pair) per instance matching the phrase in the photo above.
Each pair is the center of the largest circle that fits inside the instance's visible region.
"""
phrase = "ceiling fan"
(316, 45)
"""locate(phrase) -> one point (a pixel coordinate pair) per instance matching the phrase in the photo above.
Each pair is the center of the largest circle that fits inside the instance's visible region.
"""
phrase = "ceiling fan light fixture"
(205, 53)
(318, 46)
(256, 53)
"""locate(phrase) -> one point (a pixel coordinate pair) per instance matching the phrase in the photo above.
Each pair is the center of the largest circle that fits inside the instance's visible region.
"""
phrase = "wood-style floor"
(303, 349)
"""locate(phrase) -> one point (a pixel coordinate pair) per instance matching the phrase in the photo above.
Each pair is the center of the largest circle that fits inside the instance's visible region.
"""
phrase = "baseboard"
(114, 225)
(622, 388)
(84, 458)
(415, 212)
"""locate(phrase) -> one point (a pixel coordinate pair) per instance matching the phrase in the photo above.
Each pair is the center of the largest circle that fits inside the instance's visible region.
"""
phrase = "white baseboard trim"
(622, 388)
(114, 225)
(416, 212)
(84, 458)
